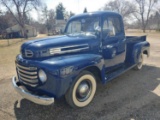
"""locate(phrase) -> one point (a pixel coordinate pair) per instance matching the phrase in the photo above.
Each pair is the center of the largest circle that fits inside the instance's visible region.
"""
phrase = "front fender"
(74, 64)
(61, 71)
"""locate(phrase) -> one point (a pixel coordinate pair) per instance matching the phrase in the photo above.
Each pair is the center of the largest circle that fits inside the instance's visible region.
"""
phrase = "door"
(114, 42)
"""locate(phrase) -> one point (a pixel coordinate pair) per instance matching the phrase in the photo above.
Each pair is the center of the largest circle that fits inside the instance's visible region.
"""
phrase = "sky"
(76, 6)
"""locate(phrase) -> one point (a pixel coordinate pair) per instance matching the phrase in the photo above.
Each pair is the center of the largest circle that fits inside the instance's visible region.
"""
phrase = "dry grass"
(8, 42)
(8, 54)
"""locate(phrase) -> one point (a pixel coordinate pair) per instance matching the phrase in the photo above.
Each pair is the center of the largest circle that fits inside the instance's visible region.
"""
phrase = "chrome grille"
(28, 75)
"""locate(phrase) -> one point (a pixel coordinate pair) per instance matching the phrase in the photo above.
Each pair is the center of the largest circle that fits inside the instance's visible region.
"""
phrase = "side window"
(111, 26)
(117, 25)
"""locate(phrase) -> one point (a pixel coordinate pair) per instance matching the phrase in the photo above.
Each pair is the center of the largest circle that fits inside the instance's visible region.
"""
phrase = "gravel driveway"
(134, 95)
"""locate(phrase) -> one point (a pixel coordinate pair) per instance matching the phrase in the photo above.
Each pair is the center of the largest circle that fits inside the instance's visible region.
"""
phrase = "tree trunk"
(144, 30)
(24, 32)
(143, 27)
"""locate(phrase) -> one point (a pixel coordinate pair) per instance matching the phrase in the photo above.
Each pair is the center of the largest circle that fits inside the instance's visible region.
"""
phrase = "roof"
(97, 13)
(16, 28)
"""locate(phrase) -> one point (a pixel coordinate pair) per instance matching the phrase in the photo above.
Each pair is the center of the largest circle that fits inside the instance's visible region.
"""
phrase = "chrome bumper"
(34, 98)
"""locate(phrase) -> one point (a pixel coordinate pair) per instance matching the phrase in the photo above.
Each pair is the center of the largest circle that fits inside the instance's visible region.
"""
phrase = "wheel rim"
(83, 91)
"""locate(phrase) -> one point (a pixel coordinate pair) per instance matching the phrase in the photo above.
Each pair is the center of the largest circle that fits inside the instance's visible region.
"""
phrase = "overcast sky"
(76, 6)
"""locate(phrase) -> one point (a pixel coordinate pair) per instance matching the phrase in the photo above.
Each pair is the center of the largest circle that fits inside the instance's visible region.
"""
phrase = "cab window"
(111, 26)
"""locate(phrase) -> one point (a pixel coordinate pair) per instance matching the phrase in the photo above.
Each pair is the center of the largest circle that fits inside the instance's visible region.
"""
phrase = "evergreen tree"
(85, 10)
(60, 10)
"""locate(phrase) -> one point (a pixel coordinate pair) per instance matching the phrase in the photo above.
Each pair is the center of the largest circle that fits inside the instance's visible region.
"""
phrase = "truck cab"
(93, 48)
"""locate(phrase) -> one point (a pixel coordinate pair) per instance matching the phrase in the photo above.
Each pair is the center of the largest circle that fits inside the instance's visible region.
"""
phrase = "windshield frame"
(78, 18)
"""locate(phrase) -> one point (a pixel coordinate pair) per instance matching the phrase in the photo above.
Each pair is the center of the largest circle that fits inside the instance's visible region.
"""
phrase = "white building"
(31, 31)
(60, 24)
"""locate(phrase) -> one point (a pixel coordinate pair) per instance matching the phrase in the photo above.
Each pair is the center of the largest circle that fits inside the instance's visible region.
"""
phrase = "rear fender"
(138, 48)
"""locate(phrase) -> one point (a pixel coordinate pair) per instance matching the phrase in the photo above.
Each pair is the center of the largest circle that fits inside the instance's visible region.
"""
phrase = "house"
(60, 25)
(16, 31)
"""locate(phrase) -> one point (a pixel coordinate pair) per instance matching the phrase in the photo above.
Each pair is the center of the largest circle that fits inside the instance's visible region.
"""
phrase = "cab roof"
(97, 13)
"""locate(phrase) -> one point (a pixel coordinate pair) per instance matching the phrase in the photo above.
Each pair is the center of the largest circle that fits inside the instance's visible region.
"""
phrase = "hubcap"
(83, 91)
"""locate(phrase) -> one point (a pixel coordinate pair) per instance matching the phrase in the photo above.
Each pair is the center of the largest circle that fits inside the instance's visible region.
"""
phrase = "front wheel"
(82, 91)
(140, 62)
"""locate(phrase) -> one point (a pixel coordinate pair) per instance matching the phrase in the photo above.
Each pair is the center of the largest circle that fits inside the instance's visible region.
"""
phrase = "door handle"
(109, 46)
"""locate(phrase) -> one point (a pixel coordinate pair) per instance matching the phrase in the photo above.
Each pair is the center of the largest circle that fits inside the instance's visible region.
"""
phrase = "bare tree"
(21, 8)
(125, 8)
(154, 21)
(48, 17)
(144, 10)
(45, 16)
(71, 14)
(52, 20)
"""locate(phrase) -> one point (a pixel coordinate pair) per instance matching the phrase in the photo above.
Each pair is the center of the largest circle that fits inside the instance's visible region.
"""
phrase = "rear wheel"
(82, 91)
(140, 62)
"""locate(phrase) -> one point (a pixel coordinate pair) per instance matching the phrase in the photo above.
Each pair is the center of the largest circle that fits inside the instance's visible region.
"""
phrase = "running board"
(116, 73)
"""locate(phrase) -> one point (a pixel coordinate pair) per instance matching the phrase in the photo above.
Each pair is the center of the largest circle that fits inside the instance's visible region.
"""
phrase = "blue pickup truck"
(93, 48)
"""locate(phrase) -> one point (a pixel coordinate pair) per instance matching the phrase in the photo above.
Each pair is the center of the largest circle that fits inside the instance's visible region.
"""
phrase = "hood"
(57, 45)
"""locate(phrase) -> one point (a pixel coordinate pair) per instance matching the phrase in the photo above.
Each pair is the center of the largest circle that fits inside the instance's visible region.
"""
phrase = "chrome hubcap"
(83, 91)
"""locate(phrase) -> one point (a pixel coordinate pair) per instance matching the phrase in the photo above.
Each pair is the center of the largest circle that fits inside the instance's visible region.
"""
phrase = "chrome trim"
(68, 51)
(26, 68)
(42, 100)
(70, 46)
(29, 73)
(32, 85)
(27, 80)
(30, 77)
(28, 53)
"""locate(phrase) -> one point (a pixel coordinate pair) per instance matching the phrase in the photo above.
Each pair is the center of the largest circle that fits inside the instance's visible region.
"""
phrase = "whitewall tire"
(82, 91)
(140, 62)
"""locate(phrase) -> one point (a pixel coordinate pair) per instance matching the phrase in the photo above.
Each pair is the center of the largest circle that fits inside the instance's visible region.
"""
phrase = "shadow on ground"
(128, 96)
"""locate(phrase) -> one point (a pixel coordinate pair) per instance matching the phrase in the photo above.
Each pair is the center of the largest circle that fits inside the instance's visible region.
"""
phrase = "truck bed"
(131, 41)
(135, 38)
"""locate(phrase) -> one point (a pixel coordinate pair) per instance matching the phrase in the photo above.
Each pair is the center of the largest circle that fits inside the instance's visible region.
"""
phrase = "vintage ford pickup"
(93, 48)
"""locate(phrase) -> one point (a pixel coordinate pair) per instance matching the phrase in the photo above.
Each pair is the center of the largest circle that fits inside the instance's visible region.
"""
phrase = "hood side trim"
(69, 49)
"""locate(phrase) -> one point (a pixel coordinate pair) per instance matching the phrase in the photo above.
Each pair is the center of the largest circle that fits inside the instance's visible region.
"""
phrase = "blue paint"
(106, 54)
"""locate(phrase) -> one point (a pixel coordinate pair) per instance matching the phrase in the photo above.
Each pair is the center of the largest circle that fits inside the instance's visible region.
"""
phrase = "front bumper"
(42, 100)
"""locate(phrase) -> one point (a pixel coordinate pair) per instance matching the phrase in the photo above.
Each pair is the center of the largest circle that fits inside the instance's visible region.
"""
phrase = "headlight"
(42, 76)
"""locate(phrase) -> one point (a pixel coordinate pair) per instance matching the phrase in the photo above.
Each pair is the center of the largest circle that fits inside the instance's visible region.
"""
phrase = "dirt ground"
(134, 95)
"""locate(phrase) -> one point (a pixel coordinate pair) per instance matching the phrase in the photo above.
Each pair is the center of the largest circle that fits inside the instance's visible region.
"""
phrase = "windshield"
(83, 25)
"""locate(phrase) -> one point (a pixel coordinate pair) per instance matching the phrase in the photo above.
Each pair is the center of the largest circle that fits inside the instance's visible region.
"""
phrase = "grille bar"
(28, 75)
(27, 80)
(26, 68)
(32, 85)
(26, 72)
